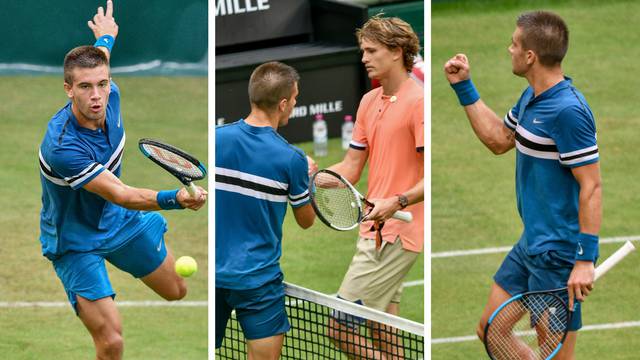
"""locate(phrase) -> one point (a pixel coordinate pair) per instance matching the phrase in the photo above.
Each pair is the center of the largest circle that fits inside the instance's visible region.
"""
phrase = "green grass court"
(473, 191)
(173, 109)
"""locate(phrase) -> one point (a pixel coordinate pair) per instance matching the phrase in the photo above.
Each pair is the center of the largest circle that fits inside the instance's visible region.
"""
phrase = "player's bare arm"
(112, 189)
(352, 165)
(487, 126)
(305, 216)
(590, 198)
(581, 279)
(103, 23)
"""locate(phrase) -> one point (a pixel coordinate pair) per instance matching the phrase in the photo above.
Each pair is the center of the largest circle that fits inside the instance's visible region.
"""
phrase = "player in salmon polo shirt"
(389, 134)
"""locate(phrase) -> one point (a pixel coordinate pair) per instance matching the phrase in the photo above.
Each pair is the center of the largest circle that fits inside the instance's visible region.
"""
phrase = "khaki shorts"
(375, 276)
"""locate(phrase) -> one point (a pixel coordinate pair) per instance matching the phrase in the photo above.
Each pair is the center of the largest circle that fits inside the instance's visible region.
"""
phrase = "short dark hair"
(392, 32)
(270, 83)
(83, 57)
(546, 34)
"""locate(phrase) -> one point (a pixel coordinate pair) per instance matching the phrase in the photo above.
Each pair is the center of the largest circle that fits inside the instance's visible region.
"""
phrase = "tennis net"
(326, 327)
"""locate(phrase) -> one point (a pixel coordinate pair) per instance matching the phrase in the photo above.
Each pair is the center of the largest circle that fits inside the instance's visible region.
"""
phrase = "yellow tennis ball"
(186, 266)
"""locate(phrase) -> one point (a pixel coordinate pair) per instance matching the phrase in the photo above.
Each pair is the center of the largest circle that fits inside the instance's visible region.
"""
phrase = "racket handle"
(612, 260)
(403, 216)
(192, 190)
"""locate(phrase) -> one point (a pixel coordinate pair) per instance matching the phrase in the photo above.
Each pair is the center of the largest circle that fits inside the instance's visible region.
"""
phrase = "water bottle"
(320, 136)
(220, 121)
(347, 130)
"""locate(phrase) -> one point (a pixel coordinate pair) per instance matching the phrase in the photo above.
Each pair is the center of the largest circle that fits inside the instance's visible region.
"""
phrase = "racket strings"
(529, 328)
(335, 200)
(176, 162)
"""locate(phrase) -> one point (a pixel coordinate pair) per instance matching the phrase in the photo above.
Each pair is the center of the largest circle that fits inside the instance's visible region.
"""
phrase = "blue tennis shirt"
(257, 173)
(73, 219)
(555, 132)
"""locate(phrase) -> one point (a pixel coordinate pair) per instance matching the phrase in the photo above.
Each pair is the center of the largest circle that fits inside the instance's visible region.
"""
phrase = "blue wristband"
(106, 41)
(587, 247)
(466, 91)
(168, 200)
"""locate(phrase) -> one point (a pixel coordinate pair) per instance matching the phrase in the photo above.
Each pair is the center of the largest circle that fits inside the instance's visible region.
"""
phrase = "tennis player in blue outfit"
(88, 215)
(558, 186)
(257, 173)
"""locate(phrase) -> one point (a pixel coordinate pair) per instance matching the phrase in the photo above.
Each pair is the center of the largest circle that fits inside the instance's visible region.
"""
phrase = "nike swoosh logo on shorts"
(159, 246)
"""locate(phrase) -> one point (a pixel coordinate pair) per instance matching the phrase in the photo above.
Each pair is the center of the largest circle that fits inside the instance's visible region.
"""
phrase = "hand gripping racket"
(177, 162)
(338, 204)
(534, 325)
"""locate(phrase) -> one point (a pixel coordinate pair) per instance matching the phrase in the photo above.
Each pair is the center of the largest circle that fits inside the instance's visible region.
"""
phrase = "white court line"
(144, 303)
(413, 283)
(611, 326)
(503, 249)
(59, 304)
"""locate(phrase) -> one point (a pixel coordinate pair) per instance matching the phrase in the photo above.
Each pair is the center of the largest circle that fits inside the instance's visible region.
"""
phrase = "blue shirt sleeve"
(511, 118)
(74, 164)
(299, 180)
(575, 136)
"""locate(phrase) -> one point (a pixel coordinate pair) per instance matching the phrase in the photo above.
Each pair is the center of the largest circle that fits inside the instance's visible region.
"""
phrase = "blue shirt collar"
(552, 90)
(255, 129)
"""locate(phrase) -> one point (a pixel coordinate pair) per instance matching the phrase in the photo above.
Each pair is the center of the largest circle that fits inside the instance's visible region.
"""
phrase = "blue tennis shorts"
(549, 270)
(260, 312)
(85, 273)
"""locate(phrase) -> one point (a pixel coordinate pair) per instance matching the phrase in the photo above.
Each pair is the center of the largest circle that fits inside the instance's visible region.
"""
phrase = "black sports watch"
(402, 200)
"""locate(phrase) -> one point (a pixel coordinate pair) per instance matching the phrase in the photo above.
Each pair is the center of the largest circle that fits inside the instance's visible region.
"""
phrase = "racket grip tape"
(403, 216)
(612, 260)
(192, 190)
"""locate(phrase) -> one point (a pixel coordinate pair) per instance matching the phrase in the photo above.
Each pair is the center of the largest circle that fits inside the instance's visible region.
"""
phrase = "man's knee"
(113, 345)
(181, 290)
(109, 341)
(177, 292)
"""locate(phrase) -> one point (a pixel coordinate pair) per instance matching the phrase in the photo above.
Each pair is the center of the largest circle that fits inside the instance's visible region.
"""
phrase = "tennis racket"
(177, 162)
(534, 325)
(338, 204)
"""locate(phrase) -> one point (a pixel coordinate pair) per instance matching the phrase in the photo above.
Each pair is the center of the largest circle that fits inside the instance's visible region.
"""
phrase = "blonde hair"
(392, 32)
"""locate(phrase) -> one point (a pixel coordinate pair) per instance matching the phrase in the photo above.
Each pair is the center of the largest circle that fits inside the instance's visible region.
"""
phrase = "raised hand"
(103, 22)
(457, 69)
